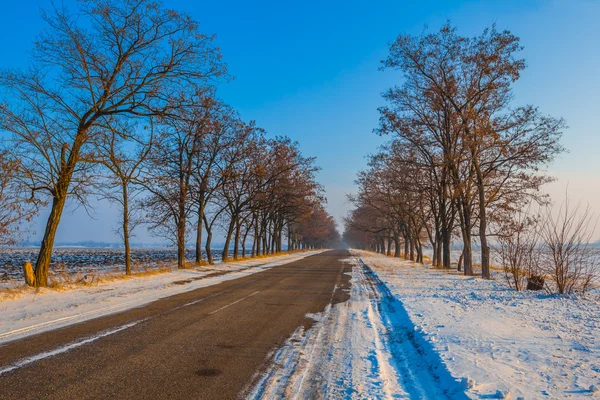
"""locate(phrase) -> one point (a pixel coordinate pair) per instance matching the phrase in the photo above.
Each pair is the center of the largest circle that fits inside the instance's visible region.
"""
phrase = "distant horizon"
(141, 245)
(91, 244)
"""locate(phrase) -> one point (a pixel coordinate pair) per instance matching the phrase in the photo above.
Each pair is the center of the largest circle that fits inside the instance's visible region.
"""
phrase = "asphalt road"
(210, 343)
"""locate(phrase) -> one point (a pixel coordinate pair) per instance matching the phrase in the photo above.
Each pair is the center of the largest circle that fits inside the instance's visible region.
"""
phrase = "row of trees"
(120, 100)
(462, 160)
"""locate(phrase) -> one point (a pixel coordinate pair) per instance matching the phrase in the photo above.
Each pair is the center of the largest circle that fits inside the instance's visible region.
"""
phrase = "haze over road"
(207, 343)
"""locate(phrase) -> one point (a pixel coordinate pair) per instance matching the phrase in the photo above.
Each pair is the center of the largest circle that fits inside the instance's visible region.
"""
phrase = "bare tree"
(169, 170)
(15, 207)
(569, 257)
(518, 249)
(239, 186)
(123, 152)
(454, 109)
(207, 179)
(111, 58)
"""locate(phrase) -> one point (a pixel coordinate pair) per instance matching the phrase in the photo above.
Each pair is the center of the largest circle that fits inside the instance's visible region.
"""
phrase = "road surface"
(210, 343)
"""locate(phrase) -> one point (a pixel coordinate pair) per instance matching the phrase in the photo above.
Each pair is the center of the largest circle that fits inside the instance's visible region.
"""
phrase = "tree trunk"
(181, 223)
(181, 243)
(244, 238)
(225, 256)
(126, 229)
(446, 232)
(419, 251)
(467, 254)
(280, 239)
(465, 226)
(265, 243)
(61, 190)
(42, 264)
(199, 233)
(236, 245)
(396, 245)
(256, 238)
(209, 257)
(485, 249)
(446, 240)
(261, 239)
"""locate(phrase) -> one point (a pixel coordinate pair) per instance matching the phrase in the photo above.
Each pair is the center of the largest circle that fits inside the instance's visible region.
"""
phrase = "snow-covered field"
(409, 331)
(91, 260)
(35, 311)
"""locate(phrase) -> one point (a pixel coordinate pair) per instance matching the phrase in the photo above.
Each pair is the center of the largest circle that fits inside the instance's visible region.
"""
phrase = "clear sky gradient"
(309, 70)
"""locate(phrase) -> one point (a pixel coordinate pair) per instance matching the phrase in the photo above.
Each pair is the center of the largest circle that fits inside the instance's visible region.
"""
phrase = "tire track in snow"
(366, 347)
(421, 370)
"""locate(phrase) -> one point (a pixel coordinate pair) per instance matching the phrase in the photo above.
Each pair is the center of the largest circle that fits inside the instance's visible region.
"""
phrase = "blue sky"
(309, 70)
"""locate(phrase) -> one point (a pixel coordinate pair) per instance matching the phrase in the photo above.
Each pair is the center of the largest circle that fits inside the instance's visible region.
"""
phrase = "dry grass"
(9, 293)
(140, 273)
(201, 264)
(263, 256)
(492, 267)
(61, 280)
(246, 258)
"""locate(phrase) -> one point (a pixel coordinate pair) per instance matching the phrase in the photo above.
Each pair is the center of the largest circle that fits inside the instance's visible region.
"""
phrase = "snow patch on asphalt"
(364, 347)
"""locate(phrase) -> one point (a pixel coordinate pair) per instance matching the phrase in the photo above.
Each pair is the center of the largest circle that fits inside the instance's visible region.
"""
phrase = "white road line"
(235, 302)
(54, 321)
(103, 311)
(191, 303)
(51, 353)
(70, 346)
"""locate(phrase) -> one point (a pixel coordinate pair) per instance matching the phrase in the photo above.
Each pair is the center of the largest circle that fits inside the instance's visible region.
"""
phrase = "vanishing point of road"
(209, 343)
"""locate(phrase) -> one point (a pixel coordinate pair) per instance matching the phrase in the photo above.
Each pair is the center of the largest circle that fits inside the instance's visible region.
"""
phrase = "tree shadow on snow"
(421, 371)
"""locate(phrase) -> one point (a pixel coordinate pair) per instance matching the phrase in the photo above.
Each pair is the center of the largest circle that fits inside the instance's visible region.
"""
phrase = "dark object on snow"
(535, 283)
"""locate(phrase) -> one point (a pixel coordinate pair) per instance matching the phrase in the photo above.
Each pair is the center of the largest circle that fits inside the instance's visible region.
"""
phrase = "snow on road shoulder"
(36, 312)
(365, 347)
(499, 341)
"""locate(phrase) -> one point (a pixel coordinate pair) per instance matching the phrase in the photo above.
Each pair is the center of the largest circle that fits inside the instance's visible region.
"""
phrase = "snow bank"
(499, 341)
(42, 310)
(409, 331)
(366, 347)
